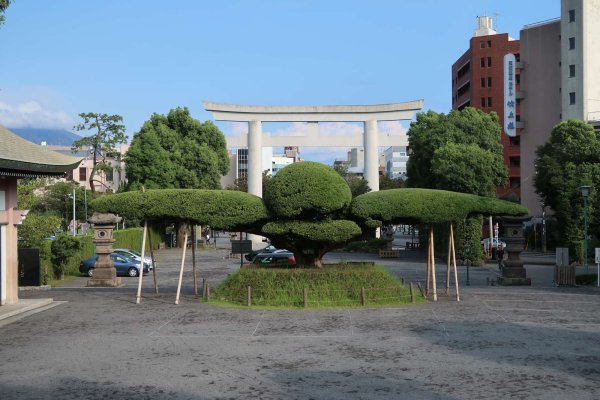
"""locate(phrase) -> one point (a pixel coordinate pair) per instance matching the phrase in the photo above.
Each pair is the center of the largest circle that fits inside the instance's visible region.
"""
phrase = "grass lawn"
(331, 286)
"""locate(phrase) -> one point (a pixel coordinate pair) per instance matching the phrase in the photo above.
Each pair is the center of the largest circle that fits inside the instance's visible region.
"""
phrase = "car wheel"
(90, 272)
(132, 272)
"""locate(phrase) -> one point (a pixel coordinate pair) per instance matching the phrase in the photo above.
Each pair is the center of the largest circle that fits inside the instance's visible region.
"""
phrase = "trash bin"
(29, 267)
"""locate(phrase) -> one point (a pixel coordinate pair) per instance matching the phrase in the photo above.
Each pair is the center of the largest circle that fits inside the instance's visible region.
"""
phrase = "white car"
(134, 255)
(495, 244)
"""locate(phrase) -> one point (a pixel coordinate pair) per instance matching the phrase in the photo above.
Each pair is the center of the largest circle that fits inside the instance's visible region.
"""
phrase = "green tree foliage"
(458, 151)
(356, 183)
(61, 250)
(3, 6)
(221, 209)
(386, 183)
(56, 199)
(177, 151)
(308, 202)
(36, 227)
(570, 159)
(107, 133)
(241, 184)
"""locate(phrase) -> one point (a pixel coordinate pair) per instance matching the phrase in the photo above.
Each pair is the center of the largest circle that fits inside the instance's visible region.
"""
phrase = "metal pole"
(74, 223)
(543, 230)
(585, 239)
(85, 202)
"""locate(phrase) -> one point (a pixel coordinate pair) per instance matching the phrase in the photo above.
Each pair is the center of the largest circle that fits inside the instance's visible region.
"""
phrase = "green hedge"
(326, 231)
(412, 206)
(221, 209)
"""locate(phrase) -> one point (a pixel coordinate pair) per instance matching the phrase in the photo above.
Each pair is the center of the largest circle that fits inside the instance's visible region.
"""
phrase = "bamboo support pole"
(153, 264)
(181, 268)
(194, 260)
(305, 297)
(433, 277)
(427, 280)
(249, 296)
(204, 288)
(138, 297)
(363, 297)
(454, 262)
(207, 292)
(448, 263)
(412, 293)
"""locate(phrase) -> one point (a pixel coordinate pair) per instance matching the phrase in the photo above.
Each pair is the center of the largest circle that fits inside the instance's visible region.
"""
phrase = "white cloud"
(33, 109)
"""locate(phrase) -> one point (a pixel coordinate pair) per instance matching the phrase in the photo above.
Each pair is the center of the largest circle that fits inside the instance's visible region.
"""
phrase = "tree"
(61, 250)
(356, 183)
(3, 6)
(308, 202)
(241, 183)
(570, 159)
(177, 151)
(458, 151)
(56, 199)
(386, 183)
(107, 133)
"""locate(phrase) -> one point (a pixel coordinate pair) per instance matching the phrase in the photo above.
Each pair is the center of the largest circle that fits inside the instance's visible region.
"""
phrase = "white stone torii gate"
(370, 139)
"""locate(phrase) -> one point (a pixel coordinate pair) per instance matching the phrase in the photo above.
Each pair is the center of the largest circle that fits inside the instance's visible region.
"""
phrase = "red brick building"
(478, 81)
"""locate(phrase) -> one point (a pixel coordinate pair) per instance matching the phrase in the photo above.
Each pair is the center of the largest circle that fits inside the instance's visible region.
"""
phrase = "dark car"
(275, 258)
(269, 249)
(124, 266)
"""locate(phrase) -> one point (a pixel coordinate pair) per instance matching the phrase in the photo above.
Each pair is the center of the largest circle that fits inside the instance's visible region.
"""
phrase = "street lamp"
(585, 192)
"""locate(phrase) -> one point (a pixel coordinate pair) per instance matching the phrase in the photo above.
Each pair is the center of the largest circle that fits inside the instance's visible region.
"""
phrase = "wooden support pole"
(181, 268)
(153, 263)
(454, 262)
(421, 289)
(448, 263)
(194, 260)
(207, 292)
(433, 277)
(363, 297)
(138, 297)
(412, 293)
(249, 296)
(204, 288)
(305, 296)
(427, 280)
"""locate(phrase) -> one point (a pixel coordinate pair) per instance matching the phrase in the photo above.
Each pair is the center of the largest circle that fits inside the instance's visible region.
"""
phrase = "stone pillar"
(255, 158)
(105, 274)
(513, 272)
(371, 173)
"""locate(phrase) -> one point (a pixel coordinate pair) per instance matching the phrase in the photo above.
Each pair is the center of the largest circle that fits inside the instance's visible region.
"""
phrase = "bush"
(369, 246)
(586, 279)
(61, 251)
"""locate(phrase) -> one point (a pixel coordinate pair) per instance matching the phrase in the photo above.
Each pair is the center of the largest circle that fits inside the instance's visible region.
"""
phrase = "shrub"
(63, 249)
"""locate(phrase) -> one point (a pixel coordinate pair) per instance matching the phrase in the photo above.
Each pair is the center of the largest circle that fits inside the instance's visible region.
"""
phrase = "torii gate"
(370, 139)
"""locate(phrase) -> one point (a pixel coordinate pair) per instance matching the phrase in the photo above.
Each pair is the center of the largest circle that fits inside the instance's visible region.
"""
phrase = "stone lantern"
(513, 272)
(105, 274)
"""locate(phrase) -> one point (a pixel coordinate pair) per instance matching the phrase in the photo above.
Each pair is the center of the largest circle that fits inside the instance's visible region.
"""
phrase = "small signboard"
(597, 255)
(241, 246)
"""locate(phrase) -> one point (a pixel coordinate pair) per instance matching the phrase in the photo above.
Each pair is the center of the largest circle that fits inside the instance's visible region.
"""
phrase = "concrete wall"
(541, 104)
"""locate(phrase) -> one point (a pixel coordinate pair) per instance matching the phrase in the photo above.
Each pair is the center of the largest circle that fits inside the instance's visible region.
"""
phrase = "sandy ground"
(538, 342)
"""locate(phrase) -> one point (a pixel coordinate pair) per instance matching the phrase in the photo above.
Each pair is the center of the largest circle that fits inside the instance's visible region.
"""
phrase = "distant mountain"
(52, 137)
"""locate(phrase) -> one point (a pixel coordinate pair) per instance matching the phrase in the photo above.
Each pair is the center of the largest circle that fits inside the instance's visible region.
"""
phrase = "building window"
(82, 174)
(482, 44)
(482, 82)
(572, 98)
(490, 81)
(489, 101)
(518, 79)
(515, 161)
(489, 61)
(110, 175)
(571, 15)
(517, 57)
(514, 140)
(571, 71)
(483, 102)
(515, 182)
(571, 43)
(489, 43)
(482, 62)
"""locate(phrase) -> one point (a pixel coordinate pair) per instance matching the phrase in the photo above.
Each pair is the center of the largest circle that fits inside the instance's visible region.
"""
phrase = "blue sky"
(137, 57)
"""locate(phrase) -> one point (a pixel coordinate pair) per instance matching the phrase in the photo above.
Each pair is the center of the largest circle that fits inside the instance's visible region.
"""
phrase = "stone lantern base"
(513, 271)
(104, 277)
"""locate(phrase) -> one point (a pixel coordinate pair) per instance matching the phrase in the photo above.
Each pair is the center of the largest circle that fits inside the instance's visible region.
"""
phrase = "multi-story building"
(560, 81)
(478, 81)
(394, 162)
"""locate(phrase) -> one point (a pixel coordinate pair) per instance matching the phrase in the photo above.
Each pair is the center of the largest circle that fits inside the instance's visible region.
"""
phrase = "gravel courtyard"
(537, 342)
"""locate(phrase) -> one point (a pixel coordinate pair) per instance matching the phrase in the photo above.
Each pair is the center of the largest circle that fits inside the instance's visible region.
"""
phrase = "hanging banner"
(510, 98)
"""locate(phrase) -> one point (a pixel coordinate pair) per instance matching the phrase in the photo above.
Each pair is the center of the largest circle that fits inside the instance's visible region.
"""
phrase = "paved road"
(537, 342)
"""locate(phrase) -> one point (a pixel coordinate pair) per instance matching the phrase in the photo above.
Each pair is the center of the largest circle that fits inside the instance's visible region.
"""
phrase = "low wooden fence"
(564, 276)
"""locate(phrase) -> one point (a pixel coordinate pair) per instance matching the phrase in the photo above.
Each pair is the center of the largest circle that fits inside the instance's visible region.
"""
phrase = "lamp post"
(585, 192)
(74, 223)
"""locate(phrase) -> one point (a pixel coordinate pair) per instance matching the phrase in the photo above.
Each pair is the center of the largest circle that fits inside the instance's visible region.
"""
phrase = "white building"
(394, 162)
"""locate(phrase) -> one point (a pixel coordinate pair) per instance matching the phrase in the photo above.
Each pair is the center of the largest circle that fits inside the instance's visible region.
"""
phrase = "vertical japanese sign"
(510, 100)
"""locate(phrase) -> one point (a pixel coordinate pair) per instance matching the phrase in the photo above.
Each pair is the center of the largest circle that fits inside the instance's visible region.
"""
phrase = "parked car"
(125, 266)
(495, 243)
(278, 257)
(269, 249)
(134, 255)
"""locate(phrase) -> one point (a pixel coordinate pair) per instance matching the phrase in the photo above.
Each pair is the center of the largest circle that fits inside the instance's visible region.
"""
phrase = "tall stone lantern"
(105, 274)
(513, 272)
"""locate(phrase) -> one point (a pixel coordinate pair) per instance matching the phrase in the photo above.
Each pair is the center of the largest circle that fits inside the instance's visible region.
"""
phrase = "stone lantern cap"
(104, 219)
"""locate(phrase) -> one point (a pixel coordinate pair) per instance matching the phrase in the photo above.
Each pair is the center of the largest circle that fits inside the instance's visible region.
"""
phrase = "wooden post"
(204, 288)
(194, 260)
(412, 293)
(427, 280)
(207, 292)
(454, 262)
(249, 296)
(448, 263)
(433, 277)
(402, 280)
(305, 295)
(363, 297)
(138, 297)
(153, 263)
(420, 289)
(181, 268)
